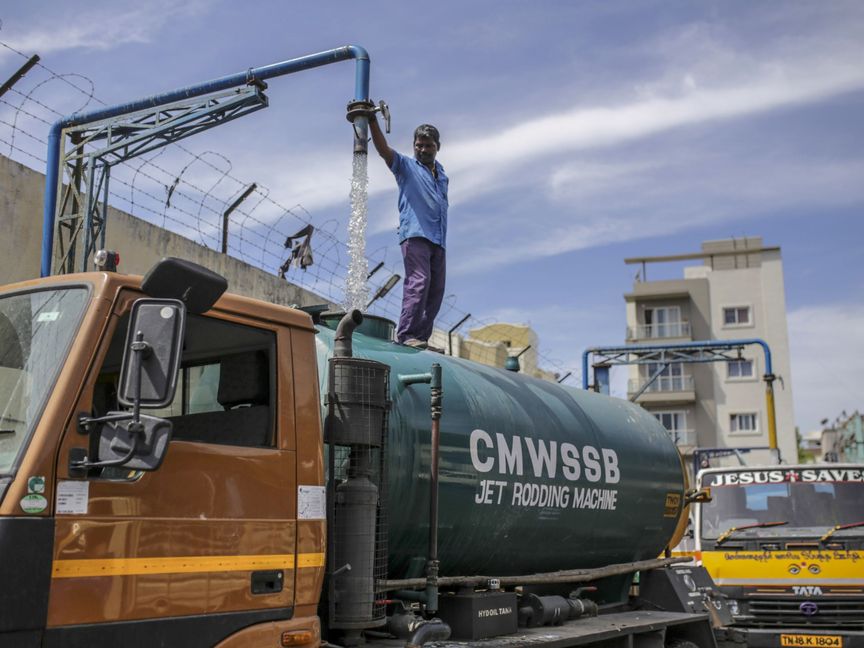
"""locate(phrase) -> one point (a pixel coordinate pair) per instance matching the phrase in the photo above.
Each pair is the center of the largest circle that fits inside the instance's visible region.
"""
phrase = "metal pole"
(585, 355)
(648, 382)
(383, 290)
(560, 577)
(451, 331)
(89, 207)
(375, 269)
(230, 209)
(103, 225)
(769, 406)
(436, 393)
(15, 78)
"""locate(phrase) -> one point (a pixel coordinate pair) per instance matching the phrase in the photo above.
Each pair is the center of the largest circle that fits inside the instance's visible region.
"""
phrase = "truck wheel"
(681, 643)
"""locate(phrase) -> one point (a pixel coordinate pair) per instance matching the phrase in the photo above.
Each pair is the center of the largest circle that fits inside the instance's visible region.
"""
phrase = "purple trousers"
(423, 288)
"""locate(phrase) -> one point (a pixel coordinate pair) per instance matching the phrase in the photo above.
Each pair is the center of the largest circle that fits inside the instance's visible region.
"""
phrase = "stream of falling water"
(356, 288)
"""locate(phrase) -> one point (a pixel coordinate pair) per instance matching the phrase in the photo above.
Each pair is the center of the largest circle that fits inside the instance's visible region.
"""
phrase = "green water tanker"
(533, 476)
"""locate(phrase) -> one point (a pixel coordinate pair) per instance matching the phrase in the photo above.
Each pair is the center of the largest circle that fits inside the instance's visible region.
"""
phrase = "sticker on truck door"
(72, 497)
(34, 501)
(672, 505)
(311, 503)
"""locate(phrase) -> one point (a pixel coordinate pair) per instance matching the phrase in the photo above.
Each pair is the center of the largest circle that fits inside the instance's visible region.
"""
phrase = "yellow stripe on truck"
(310, 560)
(779, 567)
(83, 568)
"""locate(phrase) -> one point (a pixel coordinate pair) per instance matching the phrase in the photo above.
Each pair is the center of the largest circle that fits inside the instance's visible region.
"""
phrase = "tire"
(681, 643)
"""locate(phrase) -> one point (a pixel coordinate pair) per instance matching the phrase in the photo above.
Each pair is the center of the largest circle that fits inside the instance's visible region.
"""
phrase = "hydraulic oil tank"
(534, 476)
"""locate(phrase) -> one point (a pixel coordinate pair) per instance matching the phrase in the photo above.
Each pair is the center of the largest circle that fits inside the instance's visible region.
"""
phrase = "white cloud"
(481, 162)
(97, 28)
(602, 203)
(534, 153)
(826, 343)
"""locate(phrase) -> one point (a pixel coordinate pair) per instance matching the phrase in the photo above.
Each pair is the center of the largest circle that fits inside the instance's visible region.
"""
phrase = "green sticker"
(36, 484)
(33, 503)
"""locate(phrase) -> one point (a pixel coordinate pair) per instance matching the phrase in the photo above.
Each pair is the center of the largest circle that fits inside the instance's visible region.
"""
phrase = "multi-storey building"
(736, 293)
(493, 344)
(843, 440)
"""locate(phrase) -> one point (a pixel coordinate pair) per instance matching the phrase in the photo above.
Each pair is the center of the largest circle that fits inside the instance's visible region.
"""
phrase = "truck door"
(206, 544)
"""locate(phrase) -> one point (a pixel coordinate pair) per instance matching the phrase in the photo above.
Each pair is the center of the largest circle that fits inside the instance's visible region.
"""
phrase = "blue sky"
(575, 134)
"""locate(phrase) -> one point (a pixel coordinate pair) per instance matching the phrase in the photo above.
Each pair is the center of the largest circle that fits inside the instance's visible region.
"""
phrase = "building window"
(740, 369)
(226, 387)
(675, 422)
(672, 378)
(663, 322)
(657, 320)
(744, 423)
(737, 316)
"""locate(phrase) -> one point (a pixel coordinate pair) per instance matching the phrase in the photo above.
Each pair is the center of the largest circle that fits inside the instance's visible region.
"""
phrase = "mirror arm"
(141, 349)
(698, 495)
(84, 464)
(85, 422)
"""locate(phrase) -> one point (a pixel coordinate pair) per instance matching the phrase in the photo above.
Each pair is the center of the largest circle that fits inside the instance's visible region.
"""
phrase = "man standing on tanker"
(422, 229)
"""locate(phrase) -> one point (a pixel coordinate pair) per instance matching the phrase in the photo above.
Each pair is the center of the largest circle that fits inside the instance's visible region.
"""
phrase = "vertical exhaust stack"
(342, 343)
(356, 433)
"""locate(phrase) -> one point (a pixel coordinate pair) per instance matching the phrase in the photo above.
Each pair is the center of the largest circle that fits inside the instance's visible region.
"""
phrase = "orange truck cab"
(201, 551)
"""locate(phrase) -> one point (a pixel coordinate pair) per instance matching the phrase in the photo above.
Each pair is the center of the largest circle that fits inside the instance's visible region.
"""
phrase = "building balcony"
(665, 390)
(679, 330)
(683, 437)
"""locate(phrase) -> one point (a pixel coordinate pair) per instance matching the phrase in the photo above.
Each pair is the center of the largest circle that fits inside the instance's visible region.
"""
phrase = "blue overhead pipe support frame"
(52, 173)
(702, 344)
(768, 377)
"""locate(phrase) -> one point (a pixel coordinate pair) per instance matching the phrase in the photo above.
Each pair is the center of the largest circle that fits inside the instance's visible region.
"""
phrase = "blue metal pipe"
(584, 367)
(52, 172)
(361, 93)
(715, 344)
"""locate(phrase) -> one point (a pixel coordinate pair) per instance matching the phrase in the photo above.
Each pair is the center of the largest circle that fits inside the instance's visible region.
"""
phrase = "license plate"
(811, 641)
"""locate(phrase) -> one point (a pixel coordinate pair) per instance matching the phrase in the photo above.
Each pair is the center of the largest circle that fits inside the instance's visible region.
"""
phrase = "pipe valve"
(384, 109)
(366, 108)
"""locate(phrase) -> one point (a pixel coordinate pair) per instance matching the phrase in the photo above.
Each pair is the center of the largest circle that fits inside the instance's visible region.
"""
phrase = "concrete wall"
(759, 286)
(139, 243)
(21, 215)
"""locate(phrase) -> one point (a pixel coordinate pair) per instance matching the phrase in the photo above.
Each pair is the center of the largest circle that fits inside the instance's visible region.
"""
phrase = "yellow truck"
(785, 545)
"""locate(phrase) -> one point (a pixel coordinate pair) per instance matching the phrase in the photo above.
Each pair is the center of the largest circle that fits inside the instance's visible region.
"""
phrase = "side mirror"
(151, 359)
(123, 441)
(698, 495)
(148, 378)
(134, 446)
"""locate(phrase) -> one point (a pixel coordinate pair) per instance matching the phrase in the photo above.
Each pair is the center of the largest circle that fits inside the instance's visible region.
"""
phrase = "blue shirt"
(422, 200)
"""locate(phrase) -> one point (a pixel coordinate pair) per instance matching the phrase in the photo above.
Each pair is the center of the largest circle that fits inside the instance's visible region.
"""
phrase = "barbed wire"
(177, 201)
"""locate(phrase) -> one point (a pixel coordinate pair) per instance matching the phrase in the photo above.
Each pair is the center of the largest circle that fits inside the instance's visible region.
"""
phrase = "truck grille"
(834, 613)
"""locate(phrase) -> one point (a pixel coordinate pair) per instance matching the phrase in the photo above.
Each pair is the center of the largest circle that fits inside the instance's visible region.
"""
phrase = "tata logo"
(807, 590)
(808, 608)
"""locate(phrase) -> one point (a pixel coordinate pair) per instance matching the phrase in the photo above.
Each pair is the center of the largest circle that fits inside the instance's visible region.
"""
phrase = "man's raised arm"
(380, 141)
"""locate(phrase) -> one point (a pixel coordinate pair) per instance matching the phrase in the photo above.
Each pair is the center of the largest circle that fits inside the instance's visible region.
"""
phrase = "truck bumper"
(796, 637)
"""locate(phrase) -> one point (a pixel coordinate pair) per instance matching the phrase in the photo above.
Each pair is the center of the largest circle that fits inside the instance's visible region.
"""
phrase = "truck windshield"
(801, 498)
(36, 329)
